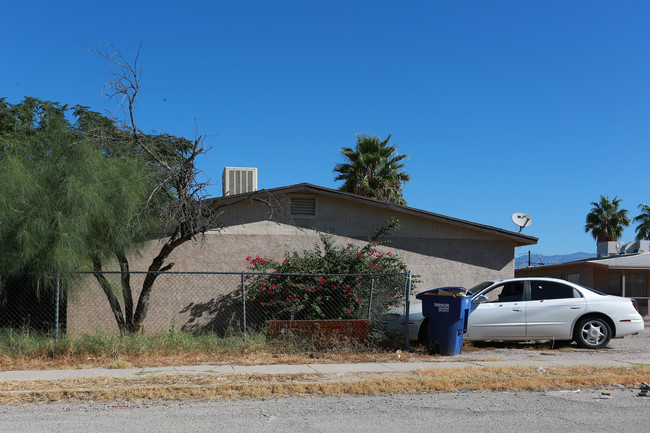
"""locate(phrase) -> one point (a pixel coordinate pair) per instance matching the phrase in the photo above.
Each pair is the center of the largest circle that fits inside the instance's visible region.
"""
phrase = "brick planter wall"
(327, 330)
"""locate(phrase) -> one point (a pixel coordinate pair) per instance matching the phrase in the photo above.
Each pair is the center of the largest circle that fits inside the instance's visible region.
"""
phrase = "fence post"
(56, 313)
(372, 289)
(243, 297)
(407, 297)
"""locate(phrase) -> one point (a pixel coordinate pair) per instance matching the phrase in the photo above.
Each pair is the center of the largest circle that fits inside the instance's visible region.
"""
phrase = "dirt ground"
(633, 347)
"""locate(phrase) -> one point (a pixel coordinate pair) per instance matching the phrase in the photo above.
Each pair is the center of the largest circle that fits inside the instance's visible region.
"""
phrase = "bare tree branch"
(181, 193)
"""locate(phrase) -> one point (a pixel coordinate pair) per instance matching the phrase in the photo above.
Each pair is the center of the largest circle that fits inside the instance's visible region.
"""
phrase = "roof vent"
(615, 247)
(303, 206)
(642, 246)
(609, 248)
(238, 180)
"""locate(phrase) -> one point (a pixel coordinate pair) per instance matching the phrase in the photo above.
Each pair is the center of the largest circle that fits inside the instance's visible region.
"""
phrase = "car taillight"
(636, 306)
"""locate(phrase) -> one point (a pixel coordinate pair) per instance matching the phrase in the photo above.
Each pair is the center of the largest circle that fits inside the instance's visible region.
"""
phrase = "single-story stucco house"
(442, 250)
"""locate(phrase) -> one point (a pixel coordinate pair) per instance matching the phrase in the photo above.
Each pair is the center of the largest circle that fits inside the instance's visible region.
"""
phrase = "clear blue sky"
(502, 106)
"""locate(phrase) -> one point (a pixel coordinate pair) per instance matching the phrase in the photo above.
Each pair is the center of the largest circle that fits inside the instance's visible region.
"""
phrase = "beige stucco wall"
(440, 253)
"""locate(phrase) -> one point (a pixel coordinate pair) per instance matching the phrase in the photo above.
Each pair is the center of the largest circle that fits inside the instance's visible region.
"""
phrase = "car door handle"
(575, 307)
(516, 309)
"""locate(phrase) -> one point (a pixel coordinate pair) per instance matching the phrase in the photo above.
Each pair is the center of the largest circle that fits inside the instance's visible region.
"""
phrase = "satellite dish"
(522, 220)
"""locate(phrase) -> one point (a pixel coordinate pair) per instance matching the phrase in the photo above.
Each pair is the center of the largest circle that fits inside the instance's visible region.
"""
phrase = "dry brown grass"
(209, 386)
(175, 349)
(255, 355)
(163, 359)
(237, 386)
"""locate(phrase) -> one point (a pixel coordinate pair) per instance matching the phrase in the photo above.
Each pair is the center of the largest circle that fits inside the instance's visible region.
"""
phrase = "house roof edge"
(520, 239)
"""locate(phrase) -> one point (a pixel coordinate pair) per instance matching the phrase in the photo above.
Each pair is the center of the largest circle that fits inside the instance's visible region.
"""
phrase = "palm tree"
(605, 221)
(643, 229)
(373, 169)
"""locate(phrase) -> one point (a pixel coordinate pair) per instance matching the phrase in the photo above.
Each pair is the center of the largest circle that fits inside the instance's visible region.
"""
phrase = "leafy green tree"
(643, 229)
(606, 221)
(373, 169)
(60, 194)
(68, 200)
(79, 193)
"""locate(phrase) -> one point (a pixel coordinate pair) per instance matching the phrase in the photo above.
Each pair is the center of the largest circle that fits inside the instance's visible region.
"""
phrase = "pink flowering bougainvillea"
(328, 282)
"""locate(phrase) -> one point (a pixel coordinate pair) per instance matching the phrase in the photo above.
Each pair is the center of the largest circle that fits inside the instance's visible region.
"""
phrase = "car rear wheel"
(592, 333)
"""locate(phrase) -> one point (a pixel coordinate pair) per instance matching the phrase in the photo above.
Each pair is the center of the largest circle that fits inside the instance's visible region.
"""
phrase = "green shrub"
(329, 282)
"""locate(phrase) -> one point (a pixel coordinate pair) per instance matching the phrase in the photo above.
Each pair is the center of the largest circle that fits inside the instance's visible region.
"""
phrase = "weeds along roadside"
(28, 350)
(24, 350)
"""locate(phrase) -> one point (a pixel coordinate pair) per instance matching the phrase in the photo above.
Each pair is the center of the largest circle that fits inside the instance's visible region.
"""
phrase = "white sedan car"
(522, 309)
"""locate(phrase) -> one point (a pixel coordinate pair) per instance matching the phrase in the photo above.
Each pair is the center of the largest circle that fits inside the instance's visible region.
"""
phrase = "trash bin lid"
(455, 291)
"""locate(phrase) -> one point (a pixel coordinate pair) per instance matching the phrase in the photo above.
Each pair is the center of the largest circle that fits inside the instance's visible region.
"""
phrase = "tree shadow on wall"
(221, 315)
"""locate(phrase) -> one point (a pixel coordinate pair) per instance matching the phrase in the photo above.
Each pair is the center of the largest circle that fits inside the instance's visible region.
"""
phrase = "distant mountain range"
(539, 260)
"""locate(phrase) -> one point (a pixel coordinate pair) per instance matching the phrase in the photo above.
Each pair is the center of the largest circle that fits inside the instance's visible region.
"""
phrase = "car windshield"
(480, 286)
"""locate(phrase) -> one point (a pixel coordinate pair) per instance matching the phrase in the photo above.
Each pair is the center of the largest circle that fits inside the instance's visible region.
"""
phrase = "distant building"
(617, 273)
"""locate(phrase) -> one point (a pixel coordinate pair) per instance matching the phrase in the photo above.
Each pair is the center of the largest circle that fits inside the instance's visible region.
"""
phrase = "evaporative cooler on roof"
(238, 180)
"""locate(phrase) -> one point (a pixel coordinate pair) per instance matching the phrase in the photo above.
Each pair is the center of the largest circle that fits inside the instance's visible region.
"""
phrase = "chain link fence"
(322, 308)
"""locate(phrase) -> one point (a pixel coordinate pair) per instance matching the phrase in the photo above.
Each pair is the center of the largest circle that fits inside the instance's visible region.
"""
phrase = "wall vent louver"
(303, 206)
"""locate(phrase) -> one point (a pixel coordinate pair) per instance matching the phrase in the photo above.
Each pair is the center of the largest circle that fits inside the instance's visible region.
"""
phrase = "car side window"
(508, 292)
(540, 290)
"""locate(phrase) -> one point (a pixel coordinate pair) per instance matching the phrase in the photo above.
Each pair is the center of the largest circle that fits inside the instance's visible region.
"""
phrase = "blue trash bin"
(448, 310)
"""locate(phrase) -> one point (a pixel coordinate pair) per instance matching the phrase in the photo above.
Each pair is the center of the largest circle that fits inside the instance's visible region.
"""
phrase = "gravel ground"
(635, 348)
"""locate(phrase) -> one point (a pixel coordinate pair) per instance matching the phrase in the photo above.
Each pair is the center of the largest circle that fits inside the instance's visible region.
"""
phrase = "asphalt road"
(567, 411)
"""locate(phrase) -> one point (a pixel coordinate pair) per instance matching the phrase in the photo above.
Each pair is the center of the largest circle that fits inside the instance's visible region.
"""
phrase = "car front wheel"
(592, 333)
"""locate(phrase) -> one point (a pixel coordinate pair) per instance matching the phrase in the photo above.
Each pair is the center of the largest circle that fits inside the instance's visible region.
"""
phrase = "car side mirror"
(480, 299)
